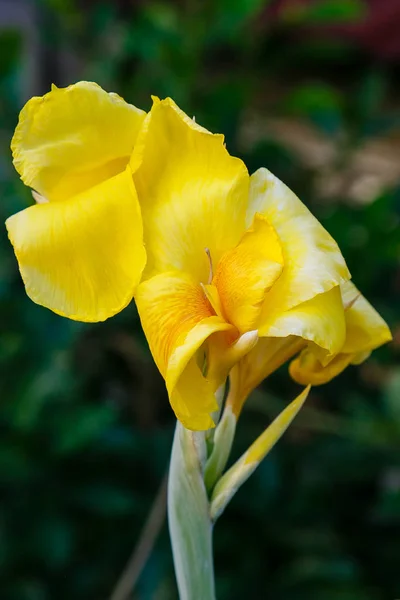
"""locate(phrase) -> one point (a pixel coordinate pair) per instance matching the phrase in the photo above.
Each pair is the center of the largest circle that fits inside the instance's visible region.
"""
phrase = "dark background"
(309, 89)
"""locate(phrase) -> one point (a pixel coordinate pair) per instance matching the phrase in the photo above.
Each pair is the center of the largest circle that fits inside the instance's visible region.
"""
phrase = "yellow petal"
(307, 369)
(225, 350)
(366, 330)
(267, 356)
(319, 320)
(245, 274)
(82, 258)
(214, 299)
(177, 319)
(312, 260)
(192, 193)
(73, 138)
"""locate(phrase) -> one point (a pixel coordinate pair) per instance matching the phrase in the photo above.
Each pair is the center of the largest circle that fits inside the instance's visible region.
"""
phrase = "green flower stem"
(189, 517)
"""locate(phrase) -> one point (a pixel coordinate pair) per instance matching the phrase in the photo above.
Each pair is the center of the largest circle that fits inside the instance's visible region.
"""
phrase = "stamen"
(211, 275)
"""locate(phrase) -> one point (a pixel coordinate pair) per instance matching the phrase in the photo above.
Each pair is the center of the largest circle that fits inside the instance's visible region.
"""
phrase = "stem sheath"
(189, 517)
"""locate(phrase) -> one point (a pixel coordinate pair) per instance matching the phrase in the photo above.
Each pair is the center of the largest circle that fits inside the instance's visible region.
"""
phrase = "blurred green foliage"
(84, 419)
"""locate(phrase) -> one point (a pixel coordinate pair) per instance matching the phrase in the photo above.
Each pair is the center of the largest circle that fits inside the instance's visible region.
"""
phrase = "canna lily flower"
(365, 331)
(232, 261)
(80, 248)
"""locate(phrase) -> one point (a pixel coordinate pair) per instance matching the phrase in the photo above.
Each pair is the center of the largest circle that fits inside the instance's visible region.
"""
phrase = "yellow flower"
(229, 259)
(365, 331)
(80, 248)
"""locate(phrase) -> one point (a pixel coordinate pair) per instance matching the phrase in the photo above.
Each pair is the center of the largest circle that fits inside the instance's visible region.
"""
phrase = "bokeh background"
(310, 89)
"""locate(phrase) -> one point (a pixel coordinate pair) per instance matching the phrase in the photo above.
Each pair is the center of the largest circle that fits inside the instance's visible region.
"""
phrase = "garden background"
(309, 89)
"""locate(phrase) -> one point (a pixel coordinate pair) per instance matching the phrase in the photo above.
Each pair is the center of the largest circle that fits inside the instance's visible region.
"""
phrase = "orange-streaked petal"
(193, 194)
(73, 138)
(313, 263)
(177, 319)
(82, 258)
(212, 296)
(245, 274)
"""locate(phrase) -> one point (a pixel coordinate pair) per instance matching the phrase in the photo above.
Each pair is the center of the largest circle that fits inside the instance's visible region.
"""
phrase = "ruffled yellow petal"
(245, 274)
(365, 328)
(193, 194)
(73, 138)
(313, 263)
(176, 319)
(319, 321)
(365, 331)
(82, 258)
